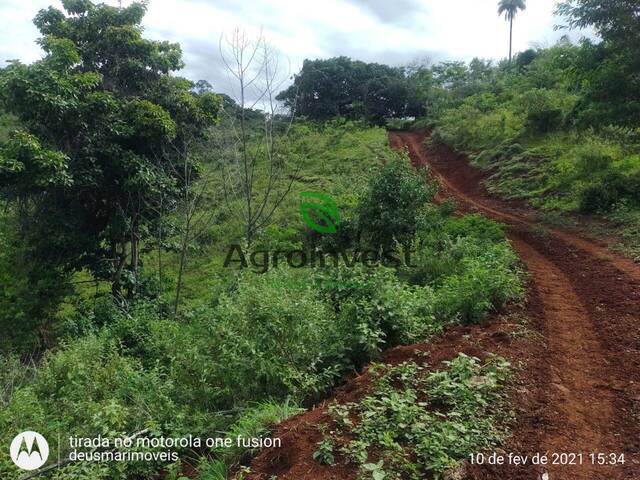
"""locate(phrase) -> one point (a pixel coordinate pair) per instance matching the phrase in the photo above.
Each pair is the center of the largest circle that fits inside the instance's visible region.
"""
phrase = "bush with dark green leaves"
(376, 311)
(392, 207)
(101, 121)
(471, 268)
(614, 187)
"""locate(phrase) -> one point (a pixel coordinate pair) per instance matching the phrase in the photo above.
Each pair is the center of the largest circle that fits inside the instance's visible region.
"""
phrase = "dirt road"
(577, 393)
(587, 398)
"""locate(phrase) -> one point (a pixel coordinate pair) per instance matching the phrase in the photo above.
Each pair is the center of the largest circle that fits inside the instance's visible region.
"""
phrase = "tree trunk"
(510, 40)
(159, 242)
(182, 264)
(119, 260)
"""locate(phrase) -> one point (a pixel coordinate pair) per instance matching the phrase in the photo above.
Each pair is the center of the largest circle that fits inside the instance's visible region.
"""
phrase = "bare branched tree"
(256, 171)
(252, 171)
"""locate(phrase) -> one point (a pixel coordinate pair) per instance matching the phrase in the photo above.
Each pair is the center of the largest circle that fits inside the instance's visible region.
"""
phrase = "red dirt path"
(590, 301)
(579, 387)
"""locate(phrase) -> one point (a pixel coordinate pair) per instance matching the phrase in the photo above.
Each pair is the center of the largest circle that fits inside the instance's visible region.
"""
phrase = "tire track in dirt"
(590, 306)
(300, 435)
(579, 385)
(497, 210)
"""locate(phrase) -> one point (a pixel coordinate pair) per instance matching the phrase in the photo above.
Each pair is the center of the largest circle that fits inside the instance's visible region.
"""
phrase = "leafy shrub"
(324, 453)
(545, 109)
(88, 317)
(285, 339)
(376, 310)
(474, 225)
(419, 423)
(391, 208)
(592, 160)
(140, 371)
(602, 196)
(545, 120)
(85, 390)
(13, 375)
(7, 124)
(472, 270)
(29, 297)
(489, 277)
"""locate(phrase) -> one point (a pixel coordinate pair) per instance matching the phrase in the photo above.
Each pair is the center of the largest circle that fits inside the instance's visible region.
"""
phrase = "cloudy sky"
(388, 31)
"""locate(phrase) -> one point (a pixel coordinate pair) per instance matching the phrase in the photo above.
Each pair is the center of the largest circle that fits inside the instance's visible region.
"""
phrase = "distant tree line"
(342, 87)
(604, 73)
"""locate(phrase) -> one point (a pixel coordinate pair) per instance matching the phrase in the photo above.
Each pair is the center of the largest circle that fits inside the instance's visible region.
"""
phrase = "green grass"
(245, 339)
(337, 159)
(563, 173)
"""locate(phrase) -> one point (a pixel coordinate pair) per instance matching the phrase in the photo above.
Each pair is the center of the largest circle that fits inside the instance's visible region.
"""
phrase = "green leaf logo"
(318, 207)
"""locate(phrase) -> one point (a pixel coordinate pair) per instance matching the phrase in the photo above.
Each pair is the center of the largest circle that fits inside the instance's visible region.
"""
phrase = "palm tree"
(510, 8)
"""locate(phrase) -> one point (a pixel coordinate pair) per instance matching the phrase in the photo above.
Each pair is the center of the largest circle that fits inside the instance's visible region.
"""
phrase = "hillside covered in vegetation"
(178, 263)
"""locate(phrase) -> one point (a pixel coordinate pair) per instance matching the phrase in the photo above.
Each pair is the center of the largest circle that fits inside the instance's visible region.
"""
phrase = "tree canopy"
(92, 161)
(349, 88)
(608, 71)
(509, 8)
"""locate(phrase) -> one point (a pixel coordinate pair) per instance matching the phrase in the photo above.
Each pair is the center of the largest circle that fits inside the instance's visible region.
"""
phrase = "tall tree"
(99, 111)
(609, 71)
(510, 8)
(257, 172)
(342, 87)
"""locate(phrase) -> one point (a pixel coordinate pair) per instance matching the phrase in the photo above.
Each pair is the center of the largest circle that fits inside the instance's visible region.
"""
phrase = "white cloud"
(371, 30)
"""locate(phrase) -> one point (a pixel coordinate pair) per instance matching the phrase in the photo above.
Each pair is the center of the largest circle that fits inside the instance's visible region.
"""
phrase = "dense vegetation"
(92, 162)
(121, 205)
(417, 422)
(559, 126)
(541, 138)
(273, 340)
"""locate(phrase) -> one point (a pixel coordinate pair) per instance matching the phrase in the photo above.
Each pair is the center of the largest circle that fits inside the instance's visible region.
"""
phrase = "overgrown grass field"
(249, 348)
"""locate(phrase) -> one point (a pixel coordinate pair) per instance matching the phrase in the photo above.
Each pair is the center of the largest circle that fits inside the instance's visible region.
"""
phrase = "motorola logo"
(29, 450)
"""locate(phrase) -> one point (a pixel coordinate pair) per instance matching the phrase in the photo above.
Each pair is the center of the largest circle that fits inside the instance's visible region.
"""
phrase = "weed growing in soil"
(418, 423)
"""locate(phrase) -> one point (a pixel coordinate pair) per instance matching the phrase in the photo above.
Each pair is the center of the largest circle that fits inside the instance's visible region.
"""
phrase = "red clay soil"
(578, 387)
(299, 435)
